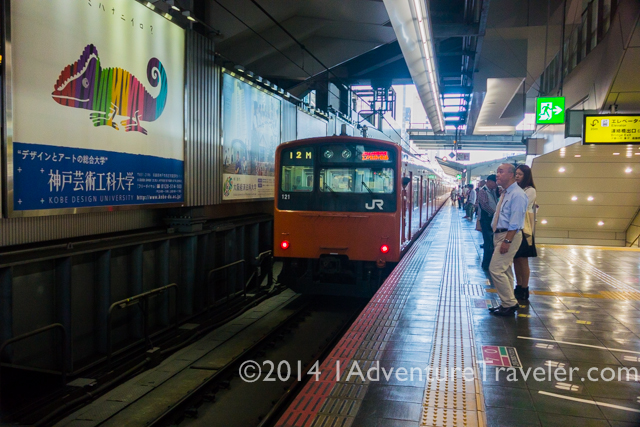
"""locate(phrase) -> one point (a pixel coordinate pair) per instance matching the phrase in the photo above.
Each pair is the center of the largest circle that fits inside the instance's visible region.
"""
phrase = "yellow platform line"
(622, 296)
(601, 248)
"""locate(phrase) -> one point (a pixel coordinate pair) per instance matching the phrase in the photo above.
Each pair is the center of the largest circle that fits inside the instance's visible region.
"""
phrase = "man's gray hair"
(511, 168)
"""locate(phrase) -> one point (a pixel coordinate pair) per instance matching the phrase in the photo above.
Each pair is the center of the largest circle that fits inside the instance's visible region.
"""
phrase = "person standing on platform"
(507, 224)
(476, 208)
(527, 250)
(487, 202)
(471, 201)
(461, 197)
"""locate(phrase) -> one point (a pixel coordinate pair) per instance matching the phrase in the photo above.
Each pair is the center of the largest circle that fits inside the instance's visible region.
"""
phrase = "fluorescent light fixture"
(544, 221)
(628, 170)
(172, 3)
(574, 198)
(590, 198)
(578, 155)
(188, 15)
(150, 5)
(616, 154)
(600, 223)
(561, 170)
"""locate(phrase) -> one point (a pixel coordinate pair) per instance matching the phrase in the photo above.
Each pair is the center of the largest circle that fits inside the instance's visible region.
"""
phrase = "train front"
(337, 216)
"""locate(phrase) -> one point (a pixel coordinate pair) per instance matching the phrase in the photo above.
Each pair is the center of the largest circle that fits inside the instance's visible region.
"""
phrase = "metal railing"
(257, 263)
(141, 300)
(63, 348)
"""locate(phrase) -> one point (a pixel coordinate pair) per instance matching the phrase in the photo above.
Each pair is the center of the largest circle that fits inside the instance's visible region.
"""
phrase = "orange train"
(347, 209)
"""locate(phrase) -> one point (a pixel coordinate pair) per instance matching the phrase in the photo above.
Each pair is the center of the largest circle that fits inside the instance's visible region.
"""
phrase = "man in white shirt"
(507, 224)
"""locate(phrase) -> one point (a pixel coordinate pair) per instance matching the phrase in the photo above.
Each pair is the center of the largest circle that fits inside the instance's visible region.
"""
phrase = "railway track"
(201, 384)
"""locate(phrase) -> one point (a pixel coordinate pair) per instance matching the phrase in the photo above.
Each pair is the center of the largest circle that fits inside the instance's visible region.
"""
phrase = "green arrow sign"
(550, 111)
(459, 176)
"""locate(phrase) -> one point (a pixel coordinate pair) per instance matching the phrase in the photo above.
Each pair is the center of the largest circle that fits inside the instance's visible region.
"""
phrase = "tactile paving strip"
(453, 394)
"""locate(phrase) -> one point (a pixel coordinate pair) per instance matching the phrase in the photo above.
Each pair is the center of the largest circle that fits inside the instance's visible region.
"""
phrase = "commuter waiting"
(487, 202)
(527, 250)
(507, 224)
(471, 201)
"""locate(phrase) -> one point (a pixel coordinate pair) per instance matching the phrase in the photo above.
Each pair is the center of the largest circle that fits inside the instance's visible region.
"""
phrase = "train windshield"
(297, 178)
(356, 180)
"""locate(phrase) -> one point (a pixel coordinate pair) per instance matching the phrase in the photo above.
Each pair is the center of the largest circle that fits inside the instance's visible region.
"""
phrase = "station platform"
(426, 351)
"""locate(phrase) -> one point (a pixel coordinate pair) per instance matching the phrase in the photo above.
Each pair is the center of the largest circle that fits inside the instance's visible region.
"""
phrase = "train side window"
(297, 179)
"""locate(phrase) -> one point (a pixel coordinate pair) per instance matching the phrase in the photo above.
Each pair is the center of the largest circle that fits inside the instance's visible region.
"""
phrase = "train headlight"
(346, 154)
(284, 244)
(328, 154)
(384, 249)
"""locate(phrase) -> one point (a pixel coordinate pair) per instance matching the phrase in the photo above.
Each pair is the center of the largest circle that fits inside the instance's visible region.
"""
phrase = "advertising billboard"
(96, 119)
(251, 131)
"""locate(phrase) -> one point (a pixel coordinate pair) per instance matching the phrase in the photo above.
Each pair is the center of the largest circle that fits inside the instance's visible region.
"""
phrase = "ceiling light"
(616, 154)
(574, 198)
(600, 223)
(188, 15)
(590, 198)
(628, 170)
(637, 154)
(172, 3)
(150, 5)
(544, 221)
(561, 170)
(577, 155)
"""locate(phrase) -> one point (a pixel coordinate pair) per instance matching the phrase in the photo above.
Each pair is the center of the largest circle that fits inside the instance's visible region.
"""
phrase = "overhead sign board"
(611, 129)
(550, 111)
(463, 157)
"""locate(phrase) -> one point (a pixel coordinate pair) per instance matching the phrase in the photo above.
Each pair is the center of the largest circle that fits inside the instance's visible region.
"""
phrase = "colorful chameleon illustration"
(111, 92)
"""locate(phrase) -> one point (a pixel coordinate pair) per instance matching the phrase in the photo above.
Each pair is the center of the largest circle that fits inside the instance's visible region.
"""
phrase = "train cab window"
(357, 180)
(297, 169)
(297, 178)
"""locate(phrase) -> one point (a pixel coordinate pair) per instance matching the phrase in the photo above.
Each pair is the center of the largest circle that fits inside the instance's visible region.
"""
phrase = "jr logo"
(375, 203)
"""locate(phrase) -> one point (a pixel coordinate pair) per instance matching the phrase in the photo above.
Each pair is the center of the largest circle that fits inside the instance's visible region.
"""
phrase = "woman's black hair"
(527, 180)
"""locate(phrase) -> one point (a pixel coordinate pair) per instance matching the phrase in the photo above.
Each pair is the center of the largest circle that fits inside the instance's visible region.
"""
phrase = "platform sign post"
(550, 111)
(611, 129)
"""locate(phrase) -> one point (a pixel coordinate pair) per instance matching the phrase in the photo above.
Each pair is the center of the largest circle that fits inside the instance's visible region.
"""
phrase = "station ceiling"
(475, 40)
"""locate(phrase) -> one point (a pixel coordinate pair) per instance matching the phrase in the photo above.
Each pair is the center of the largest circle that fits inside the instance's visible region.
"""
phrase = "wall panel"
(202, 123)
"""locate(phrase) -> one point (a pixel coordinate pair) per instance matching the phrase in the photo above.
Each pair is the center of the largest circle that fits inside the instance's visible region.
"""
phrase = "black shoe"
(521, 294)
(518, 292)
(482, 246)
(508, 311)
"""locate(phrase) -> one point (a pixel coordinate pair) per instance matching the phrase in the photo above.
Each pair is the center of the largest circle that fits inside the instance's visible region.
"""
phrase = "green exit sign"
(550, 111)
(459, 176)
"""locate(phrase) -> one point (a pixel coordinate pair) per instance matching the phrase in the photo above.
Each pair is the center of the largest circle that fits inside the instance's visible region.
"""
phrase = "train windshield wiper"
(368, 189)
(326, 186)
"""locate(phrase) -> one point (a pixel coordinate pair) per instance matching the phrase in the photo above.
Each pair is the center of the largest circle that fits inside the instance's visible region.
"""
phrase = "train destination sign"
(375, 156)
(550, 110)
(611, 129)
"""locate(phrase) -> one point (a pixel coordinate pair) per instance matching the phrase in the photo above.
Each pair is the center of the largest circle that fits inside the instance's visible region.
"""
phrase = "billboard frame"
(6, 165)
(233, 74)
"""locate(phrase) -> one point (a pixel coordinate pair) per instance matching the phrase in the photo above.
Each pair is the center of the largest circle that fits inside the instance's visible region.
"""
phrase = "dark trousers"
(487, 237)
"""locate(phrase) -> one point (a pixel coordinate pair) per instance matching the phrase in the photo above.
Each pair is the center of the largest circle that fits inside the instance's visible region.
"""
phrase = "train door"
(410, 204)
(421, 200)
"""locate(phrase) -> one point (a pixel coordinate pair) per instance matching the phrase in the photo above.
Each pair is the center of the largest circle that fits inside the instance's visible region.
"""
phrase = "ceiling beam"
(445, 31)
